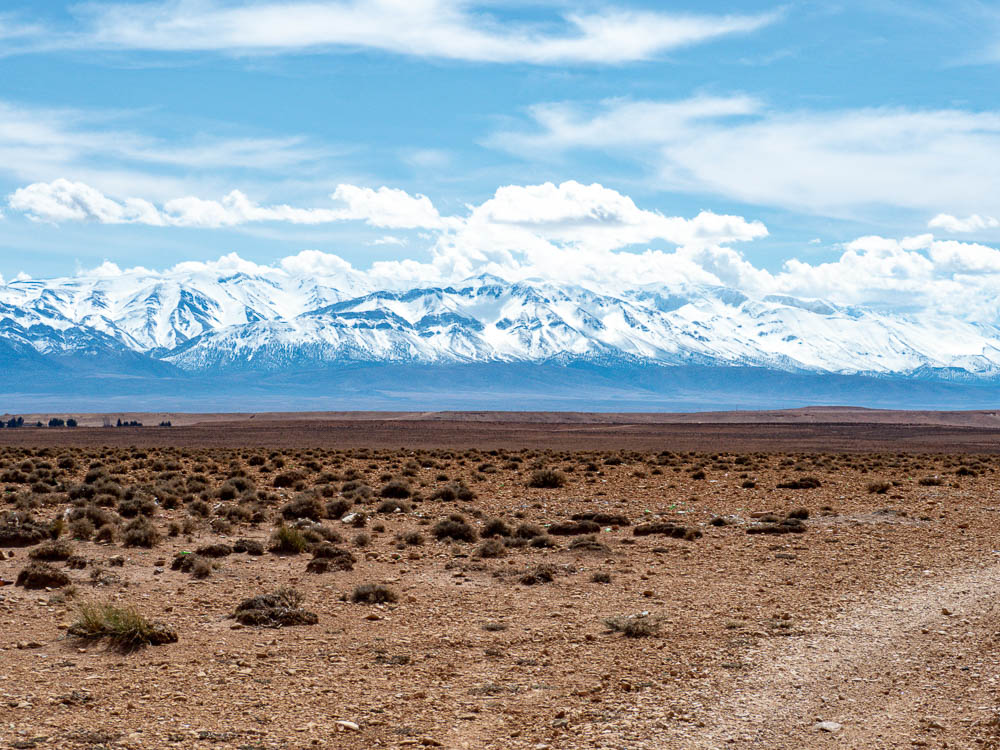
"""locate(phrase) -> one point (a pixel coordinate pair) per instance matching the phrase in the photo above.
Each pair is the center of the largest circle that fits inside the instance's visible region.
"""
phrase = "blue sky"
(124, 125)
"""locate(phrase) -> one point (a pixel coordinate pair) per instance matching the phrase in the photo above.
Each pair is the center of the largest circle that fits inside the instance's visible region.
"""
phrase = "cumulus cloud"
(517, 218)
(909, 274)
(388, 207)
(593, 214)
(973, 223)
(62, 200)
(443, 29)
(575, 233)
(834, 162)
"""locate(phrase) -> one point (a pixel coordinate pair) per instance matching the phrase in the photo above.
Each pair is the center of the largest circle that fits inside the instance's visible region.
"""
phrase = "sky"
(845, 150)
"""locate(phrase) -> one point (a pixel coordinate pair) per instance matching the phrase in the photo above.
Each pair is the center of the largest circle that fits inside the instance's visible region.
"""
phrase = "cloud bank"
(570, 233)
(974, 223)
(62, 200)
(827, 162)
(443, 29)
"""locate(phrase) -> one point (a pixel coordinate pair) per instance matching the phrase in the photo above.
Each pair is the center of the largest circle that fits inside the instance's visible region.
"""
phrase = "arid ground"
(825, 578)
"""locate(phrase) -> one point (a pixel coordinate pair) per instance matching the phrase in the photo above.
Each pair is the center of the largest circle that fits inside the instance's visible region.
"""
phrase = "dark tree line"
(15, 422)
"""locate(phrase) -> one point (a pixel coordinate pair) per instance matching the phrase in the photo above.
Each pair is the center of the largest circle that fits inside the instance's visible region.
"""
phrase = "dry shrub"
(124, 627)
(547, 479)
(275, 610)
(373, 593)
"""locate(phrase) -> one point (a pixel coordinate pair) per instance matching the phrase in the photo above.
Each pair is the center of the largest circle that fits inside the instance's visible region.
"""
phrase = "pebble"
(346, 726)
(828, 726)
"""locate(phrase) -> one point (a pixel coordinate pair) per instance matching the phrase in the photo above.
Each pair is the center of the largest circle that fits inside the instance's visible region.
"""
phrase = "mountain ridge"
(255, 329)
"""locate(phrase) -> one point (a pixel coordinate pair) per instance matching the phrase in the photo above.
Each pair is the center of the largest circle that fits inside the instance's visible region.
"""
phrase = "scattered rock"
(828, 726)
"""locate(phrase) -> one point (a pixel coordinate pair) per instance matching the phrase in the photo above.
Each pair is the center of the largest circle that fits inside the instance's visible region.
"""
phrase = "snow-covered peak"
(200, 318)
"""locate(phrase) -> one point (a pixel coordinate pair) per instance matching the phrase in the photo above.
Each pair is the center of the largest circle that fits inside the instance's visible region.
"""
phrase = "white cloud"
(40, 144)
(444, 29)
(388, 207)
(389, 239)
(574, 233)
(591, 217)
(517, 219)
(973, 223)
(62, 200)
(834, 162)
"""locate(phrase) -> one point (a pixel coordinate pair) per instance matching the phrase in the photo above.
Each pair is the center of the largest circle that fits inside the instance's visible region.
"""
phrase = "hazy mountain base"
(44, 384)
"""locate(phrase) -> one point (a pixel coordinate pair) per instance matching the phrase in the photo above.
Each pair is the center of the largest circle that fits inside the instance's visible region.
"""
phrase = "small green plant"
(288, 540)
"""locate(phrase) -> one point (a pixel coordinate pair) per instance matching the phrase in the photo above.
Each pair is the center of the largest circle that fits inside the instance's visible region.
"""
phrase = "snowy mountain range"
(201, 323)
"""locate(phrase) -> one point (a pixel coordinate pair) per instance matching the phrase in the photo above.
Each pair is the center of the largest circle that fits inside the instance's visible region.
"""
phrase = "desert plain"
(798, 580)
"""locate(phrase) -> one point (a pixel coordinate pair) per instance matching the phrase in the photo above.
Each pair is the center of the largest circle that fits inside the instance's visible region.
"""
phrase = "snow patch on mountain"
(202, 320)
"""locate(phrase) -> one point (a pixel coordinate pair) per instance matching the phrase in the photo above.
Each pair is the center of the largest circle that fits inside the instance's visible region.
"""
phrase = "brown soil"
(815, 429)
(881, 616)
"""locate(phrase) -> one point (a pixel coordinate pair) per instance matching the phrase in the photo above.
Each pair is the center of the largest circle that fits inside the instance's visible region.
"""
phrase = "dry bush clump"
(214, 550)
(288, 540)
(454, 491)
(455, 527)
(491, 548)
(249, 546)
(55, 550)
(574, 528)
(141, 532)
(373, 593)
(664, 528)
(496, 527)
(547, 479)
(792, 523)
(124, 627)
(21, 530)
(277, 609)
(40, 575)
(588, 543)
(800, 483)
(634, 626)
(303, 506)
(328, 556)
(543, 573)
(603, 519)
(394, 506)
(397, 489)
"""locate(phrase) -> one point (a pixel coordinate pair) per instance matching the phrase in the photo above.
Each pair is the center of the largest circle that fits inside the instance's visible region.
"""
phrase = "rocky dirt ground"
(855, 607)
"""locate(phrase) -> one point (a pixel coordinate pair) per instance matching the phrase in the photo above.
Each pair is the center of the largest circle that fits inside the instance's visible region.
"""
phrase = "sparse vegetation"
(548, 479)
(124, 628)
(278, 609)
(634, 626)
(373, 593)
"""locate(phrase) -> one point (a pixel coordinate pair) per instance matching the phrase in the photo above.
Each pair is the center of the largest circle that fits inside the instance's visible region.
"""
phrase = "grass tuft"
(124, 627)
